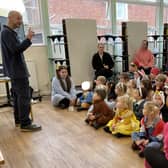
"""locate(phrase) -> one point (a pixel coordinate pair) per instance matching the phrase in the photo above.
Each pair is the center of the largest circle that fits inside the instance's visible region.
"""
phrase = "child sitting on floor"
(159, 98)
(155, 157)
(147, 84)
(101, 80)
(139, 95)
(120, 89)
(159, 82)
(151, 129)
(124, 121)
(85, 100)
(124, 77)
(100, 113)
(131, 85)
(164, 109)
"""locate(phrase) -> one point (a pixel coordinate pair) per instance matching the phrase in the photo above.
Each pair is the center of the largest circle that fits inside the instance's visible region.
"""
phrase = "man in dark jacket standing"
(102, 62)
(15, 67)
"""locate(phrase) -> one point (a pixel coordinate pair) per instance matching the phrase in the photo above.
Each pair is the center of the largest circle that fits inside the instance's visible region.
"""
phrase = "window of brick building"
(165, 12)
(33, 19)
(87, 9)
(30, 9)
(136, 12)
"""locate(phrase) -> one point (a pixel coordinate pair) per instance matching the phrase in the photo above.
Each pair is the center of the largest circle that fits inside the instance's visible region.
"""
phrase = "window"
(122, 11)
(136, 12)
(30, 10)
(33, 19)
(87, 9)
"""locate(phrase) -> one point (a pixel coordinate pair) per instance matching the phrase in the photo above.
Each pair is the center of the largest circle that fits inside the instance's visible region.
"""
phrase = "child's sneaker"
(106, 129)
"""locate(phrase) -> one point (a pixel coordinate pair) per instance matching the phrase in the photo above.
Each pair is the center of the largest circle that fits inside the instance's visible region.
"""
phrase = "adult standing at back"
(144, 58)
(15, 68)
(102, 62)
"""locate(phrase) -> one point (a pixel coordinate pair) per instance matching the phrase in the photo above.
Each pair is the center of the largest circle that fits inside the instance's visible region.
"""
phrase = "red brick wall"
(96, 9)
(142, 13)
(93, 9)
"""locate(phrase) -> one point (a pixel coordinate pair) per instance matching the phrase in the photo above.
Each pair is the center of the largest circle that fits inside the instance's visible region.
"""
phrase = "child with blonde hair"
(159, 98)
(164, 109)
(139, 95)
(120, 89)
(101, 80)
(124, 77)
(131, 85)
(151, 129)
(124, 121)
(154, 156)
(159, 82)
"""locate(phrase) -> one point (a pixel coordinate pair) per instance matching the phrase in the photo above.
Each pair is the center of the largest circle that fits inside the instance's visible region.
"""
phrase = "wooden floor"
(64, 142)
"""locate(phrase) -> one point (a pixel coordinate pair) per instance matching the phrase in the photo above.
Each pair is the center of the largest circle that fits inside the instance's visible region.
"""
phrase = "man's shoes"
(31, 128)
(17, 125)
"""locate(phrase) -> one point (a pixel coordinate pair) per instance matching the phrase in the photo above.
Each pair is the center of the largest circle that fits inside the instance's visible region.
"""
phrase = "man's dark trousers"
(22, 97)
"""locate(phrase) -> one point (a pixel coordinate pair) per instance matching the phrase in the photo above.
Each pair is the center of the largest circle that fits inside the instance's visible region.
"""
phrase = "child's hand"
(140, 141)
(72, 102)
(92, 117)
(160, 137)
(145, 142)
(113, 127)
(119, 118)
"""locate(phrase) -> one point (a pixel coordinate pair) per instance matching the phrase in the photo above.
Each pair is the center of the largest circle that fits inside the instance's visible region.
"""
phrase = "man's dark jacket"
(12, 54)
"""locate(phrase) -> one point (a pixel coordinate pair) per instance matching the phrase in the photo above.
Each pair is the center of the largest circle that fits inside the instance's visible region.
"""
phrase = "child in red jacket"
(154, 156)
(151, 131)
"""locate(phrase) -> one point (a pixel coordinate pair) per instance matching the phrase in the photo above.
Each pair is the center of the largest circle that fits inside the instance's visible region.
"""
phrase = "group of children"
(136, 106)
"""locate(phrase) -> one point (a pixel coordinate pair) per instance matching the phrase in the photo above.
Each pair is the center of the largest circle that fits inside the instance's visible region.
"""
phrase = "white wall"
(136, 31)
(38, 54)
(82, 44)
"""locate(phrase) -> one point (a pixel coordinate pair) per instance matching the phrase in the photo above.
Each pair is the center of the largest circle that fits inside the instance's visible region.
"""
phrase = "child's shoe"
(106, 129)
(87, 121)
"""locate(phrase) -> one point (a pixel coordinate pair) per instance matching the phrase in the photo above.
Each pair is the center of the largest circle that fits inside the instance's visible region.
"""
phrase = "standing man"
(102, 62)
(15, 67)
(144, 58)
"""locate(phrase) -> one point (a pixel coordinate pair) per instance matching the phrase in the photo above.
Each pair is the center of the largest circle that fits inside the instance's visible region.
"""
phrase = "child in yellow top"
(124, 121)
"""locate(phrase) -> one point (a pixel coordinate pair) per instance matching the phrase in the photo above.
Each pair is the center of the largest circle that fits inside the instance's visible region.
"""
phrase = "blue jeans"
(22, 97)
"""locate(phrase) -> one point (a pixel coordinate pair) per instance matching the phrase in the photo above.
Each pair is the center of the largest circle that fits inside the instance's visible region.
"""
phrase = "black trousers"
(22, 97)
(155, 158)
(103, 72)
(146, 70)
